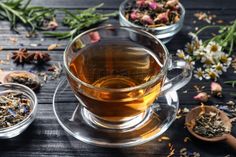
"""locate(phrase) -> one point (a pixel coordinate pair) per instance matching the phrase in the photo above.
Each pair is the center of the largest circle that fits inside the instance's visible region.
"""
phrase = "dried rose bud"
(52, 25)
(176, 19)
(134, 15)
(163, 17)
(147, 19)
(153, 5)
(175, 8)
(94, 37)
(216, 89)
(140, 3)
(172, 3)
(203, 97)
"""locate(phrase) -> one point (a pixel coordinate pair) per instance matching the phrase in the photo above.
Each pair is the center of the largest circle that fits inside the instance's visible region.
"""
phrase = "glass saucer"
(71, 116)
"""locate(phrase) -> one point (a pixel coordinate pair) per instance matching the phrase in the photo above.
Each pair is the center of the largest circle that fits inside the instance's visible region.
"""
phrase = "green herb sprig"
(20, 12)
(233, 82)
(80, 20)
(226, 37)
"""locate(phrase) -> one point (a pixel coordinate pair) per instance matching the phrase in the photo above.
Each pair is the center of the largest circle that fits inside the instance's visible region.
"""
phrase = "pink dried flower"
(94, 37)
(177, 7)
(134, 15)
(163, 17)
(147, 19)
(153, 5)
(202, 96)
(216, 89)
(172, 3)
(52, 25)
(140, 3)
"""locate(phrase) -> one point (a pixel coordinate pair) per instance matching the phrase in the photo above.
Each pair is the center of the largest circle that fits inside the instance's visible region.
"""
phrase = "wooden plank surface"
(45, 137)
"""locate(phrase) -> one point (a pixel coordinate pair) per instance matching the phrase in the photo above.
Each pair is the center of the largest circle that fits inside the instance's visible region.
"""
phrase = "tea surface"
(116, 65)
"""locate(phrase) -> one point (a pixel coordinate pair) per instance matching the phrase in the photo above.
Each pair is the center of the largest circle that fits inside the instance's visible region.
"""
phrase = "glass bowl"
(164, 33)
(18, 128)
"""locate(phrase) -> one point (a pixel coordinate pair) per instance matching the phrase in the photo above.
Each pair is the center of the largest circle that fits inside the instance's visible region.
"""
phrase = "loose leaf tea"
(209, 124)
(25, 79)
(154, 13)
(14, 108)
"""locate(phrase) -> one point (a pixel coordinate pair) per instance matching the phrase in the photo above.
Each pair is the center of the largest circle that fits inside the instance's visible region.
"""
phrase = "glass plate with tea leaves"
(71, 115)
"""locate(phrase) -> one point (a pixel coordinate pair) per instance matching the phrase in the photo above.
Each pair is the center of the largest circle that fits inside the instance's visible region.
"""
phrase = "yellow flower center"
(181, 55)
(214, 48)
(219, 68)
(223, 59)
(199, 74)
(212, 75)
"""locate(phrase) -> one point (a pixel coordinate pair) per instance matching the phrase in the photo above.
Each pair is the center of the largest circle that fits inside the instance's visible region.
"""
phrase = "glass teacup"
(117, 72)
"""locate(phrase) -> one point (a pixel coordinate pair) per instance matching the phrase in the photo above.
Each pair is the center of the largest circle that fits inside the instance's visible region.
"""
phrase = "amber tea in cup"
(116, 65)
(117, 72)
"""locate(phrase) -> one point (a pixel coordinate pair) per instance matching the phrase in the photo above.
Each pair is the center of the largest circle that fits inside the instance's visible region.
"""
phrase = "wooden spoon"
(227, 137)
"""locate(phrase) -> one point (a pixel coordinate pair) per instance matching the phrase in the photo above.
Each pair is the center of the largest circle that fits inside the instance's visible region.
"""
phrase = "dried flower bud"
(176, 19)
(52, 25)
(203, 97)
(140, 3)
(134, 15)
(216, 89)
(172, 3)
(163, 17)
(94, 37)
(147, 19)
(153, 5)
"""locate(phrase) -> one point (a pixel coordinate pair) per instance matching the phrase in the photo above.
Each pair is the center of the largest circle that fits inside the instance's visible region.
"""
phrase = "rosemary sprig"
(226, 37)
(20, 12)
(80, 20)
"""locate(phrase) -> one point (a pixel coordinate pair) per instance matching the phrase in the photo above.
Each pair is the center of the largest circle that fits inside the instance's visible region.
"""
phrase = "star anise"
(39, 57)
(20, 56)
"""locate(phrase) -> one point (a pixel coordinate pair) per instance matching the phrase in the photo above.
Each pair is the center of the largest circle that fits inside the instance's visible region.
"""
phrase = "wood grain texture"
(45, 137)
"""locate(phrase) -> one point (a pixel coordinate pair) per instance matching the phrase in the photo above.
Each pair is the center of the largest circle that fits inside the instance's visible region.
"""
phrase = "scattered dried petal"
(12, 39)
(94, 37)
(186, 139)
(202, 96)
(52, 25)
(216, 89)
(53, 46)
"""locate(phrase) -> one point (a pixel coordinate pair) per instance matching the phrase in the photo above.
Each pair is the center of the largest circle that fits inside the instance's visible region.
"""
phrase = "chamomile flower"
(219, 68)
(189, 60)
(197, 44)
(193, 46)
(189, 48)
(198, 53)
(211, 74)
(210, 60)
(207, 59)
(180, 54)
(199, 73)
(213, 47)
(225, 59)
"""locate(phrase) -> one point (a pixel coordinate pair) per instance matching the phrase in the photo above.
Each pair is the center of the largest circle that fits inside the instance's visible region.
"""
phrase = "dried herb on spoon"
(20, 12)
(209, 124)
(80, 20)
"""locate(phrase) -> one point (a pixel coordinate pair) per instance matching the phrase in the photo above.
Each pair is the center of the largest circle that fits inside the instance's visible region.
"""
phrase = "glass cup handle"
(180, 80)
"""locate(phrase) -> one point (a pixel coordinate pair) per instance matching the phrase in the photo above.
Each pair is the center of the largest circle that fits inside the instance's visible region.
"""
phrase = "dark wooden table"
(45, 137)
